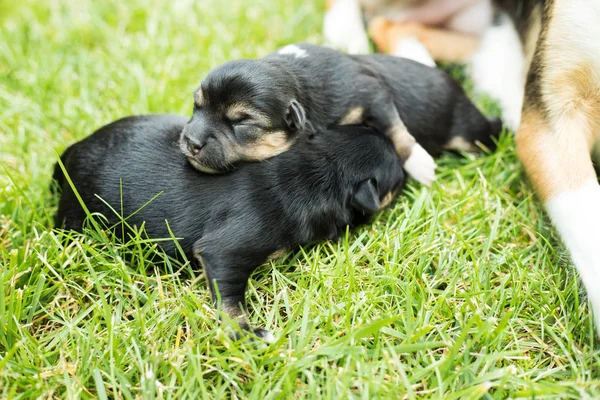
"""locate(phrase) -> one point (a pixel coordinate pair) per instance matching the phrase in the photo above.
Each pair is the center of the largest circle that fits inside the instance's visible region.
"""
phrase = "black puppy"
(251, 110)
(230, 224)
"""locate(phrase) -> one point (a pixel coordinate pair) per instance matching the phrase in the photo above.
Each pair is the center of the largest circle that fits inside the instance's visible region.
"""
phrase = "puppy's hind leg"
(383, 116)
(470, 128)
(556, 156)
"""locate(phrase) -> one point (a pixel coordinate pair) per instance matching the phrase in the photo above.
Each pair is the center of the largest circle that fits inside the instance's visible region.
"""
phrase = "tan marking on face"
(241, 110)
(403, 141)
(270, 145)
(460, 144)
(354, 116)
(387, 200)
(277, 254)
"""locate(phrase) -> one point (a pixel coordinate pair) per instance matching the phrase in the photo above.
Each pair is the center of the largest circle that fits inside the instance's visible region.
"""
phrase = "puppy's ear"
(366, 198)
(295, 116)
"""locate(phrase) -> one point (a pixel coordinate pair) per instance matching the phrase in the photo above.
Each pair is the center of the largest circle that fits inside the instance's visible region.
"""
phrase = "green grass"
(459, 291)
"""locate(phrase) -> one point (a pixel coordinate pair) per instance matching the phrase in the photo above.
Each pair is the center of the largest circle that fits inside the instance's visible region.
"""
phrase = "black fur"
(230, 223)
(320, 89)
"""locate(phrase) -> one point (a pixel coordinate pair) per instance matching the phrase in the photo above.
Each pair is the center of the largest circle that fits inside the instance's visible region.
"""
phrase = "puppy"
(560, 128)
(253, 109)
(232, 223)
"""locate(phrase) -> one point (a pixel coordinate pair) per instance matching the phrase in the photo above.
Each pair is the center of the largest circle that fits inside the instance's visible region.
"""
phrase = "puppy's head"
(244, 110)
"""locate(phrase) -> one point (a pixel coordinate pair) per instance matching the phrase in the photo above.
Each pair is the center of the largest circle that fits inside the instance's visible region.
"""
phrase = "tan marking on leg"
(354, 116)
(270, 145)
(460, 144)
(403, 141)
(574, 94)
(277, 254)
(556, 156)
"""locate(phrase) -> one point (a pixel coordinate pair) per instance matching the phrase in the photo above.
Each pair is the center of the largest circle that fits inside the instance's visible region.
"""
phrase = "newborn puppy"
(232, 223)
(254, 109)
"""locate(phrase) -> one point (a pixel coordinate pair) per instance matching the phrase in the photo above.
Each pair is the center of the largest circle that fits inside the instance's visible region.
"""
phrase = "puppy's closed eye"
(240, 118)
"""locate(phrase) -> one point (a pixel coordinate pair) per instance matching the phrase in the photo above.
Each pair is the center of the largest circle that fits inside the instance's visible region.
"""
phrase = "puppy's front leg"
(383, 116)
(227, 276)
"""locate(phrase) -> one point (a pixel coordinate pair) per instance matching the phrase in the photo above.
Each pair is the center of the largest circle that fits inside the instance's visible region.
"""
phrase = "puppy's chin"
(201, 167)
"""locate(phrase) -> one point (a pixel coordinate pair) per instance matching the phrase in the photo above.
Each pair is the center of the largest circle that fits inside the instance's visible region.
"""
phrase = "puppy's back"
(131, 153)
(434, 107)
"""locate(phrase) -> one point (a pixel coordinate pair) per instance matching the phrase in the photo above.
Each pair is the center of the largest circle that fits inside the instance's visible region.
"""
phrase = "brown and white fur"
(560, 126)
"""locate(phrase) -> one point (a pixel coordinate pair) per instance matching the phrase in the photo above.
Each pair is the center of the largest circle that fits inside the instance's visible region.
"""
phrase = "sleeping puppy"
(232, 223)
(254, 109)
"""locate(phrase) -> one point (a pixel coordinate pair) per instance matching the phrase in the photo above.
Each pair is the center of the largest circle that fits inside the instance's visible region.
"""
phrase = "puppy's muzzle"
(194, 147)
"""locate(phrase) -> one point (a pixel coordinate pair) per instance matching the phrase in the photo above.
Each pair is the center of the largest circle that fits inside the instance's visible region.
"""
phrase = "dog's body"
(231, 223)
(251, 109)
(560, 126)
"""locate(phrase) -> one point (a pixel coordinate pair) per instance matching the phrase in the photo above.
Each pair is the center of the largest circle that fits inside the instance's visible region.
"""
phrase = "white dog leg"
(344, 28)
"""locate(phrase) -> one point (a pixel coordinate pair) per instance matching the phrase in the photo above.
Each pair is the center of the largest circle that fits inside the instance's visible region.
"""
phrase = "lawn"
(458, 291)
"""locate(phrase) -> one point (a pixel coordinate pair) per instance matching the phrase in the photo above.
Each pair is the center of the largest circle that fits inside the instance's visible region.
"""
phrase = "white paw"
(268, 337)
(344, 29)
(414, 50)
(420, 165)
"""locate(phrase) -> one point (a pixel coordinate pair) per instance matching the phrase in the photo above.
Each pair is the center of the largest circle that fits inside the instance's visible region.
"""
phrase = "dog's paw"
(412, 49)
(343, 28)
(420, 165)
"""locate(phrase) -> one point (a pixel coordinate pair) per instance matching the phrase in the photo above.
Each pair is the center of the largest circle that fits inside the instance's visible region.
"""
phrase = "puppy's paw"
(256, 336)
(420, 165)
(343, 27)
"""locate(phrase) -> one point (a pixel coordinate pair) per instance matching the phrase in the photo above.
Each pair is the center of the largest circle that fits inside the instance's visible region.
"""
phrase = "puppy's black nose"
(194, 147)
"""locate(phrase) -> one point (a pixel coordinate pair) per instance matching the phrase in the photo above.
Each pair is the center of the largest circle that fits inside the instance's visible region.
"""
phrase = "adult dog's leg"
(392, 37)
(498, 69)
(344, 28)
(561, 125)
(556, 156)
